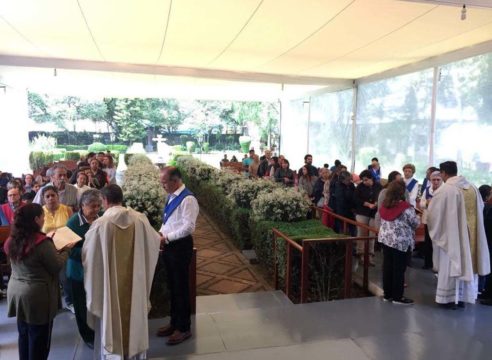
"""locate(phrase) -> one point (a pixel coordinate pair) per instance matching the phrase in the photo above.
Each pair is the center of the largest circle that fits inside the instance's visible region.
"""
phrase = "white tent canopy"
(309, 42)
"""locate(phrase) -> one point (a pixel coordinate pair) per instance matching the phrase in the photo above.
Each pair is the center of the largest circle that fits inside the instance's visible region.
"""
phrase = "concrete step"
(241, 301)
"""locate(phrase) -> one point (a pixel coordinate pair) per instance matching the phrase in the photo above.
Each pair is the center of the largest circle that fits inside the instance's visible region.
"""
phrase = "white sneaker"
(70, 308)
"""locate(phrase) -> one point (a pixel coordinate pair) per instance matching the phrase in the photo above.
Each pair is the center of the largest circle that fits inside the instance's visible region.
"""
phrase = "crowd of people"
(458, 231)
(107, 276)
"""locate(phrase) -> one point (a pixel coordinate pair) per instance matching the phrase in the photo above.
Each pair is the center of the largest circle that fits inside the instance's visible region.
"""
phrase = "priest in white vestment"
(455, 222)
(119, 257)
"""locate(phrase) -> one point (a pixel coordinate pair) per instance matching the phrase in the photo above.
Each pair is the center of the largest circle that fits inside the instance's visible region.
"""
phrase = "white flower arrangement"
(225, 179)
(269, 200)
(196, 169)
(242, 192)
(142, 190)
(139, 159)
(280, 204)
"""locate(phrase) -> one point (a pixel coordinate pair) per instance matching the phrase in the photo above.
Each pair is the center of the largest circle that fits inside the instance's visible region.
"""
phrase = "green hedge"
(120, 148)
(327, 261)
(38, 159)
(97, 147)
(72, 155)
(58, 156)
(72, 147)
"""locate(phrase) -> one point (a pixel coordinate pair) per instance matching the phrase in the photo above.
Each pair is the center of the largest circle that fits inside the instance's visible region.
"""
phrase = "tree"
(165, 115)
(38, 107)
(129, 117)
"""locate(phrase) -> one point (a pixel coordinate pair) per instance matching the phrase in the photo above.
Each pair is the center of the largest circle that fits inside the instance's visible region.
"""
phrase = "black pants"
(79, 304)
(427, 249)
(66, 292)
(177, 258)
(34, 340)
(487, 291)
(394, 266)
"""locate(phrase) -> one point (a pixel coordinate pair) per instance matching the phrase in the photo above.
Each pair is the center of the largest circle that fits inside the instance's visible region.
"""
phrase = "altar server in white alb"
(455, 222)
(119, 257)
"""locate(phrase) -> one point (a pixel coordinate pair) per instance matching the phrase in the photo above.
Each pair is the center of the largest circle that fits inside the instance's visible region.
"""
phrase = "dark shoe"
(449, 306)
(403, 301)
(487, 302)
(387, 299)
(178, 337)
(165, 331)
(481, 296)
(89, 345)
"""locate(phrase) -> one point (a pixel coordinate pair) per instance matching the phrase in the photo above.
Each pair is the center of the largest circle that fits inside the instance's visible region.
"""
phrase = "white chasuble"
(119, 256)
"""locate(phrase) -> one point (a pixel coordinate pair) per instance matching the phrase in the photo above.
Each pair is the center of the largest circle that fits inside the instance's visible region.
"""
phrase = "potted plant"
(245, 142)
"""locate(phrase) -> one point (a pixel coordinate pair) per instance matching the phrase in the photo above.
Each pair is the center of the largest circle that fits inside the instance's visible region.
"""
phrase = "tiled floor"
(221, 268)
(265, 325)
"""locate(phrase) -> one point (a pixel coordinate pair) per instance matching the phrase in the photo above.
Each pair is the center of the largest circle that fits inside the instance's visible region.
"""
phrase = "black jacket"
(343, 200)
(262, 168)
(364, 194)
(318, 190)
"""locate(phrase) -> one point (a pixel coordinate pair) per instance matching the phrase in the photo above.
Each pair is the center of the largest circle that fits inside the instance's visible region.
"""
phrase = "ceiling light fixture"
(463, 12)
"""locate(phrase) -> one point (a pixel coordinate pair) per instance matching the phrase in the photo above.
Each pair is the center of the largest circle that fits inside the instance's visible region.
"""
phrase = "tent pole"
(353, 117)
(432, 132)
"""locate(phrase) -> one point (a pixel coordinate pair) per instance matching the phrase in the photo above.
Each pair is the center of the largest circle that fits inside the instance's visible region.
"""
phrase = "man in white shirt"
(411, 183)
(178, 223)
(67, 192)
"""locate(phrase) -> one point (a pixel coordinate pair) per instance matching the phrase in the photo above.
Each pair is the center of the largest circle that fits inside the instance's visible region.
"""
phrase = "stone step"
(241, 301)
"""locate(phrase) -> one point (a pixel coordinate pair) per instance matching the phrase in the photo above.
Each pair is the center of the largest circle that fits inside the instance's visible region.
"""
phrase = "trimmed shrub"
(142, 189)
(281, 204)
(244, 191)
(120, 148)
(97, 147)
(239, 226)
(190, 146)
(206, 147)
(73, 147)
(225, 179)
(140, 159)
(38, 159)
(58, 156)
(72, 155)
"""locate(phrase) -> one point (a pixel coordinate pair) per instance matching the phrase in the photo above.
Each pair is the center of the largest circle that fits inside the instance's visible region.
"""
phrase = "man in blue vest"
(178, 223)
(411, 183)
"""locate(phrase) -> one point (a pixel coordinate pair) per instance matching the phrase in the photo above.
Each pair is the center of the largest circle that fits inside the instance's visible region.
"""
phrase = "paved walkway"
(221, 268)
